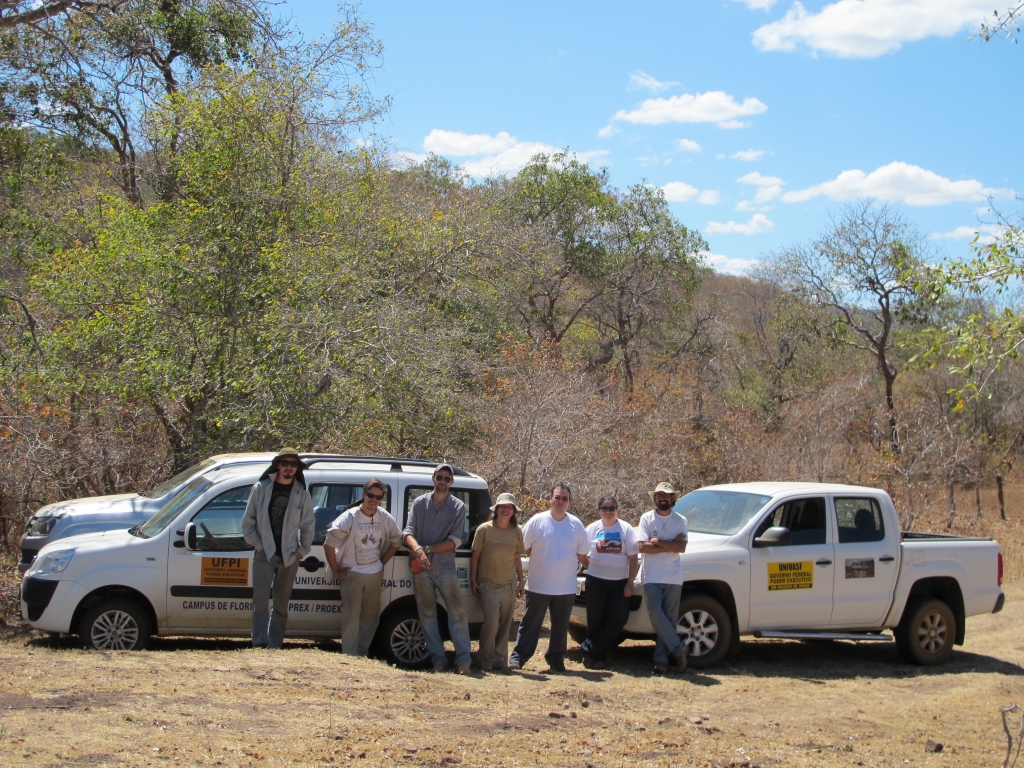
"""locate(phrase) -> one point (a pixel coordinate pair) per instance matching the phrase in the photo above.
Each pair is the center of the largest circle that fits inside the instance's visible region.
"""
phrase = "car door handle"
(823, 562)
(886, 559)
(312, 564)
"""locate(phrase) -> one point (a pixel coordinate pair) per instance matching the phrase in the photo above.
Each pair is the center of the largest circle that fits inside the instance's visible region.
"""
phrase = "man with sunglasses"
(358, 545)
(432, 534)
(279, 524)
(555, 542)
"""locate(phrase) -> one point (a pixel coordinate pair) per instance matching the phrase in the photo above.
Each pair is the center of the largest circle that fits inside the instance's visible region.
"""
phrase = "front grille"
(37, 594)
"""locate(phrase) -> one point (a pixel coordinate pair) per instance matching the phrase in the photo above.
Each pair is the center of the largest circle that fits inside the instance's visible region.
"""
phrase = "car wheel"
(400, 640)
(926, 632)
(705, 628)
(115, 625)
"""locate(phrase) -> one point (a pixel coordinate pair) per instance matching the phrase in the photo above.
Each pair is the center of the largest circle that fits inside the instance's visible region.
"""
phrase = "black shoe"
(679, 660)
(660, 668)
(556, 666)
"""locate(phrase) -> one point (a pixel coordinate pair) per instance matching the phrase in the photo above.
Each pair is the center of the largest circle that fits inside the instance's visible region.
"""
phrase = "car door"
(211, 587)
(791, 586)
(866, 562)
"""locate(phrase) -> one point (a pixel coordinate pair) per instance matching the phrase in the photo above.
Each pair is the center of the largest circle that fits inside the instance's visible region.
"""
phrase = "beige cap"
(506, 498)
(663, 488)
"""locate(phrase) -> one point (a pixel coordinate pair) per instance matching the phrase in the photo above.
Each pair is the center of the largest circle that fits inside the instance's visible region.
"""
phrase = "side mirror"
(776, 536)
(190, 537)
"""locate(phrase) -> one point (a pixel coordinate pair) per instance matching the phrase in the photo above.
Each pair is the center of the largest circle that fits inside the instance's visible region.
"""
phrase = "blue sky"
(759, 118)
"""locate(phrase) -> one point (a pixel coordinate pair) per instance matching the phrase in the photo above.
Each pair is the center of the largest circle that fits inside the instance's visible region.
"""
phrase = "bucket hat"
(663, 488)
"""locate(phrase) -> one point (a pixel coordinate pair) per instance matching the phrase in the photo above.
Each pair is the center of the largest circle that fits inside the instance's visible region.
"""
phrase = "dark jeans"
(529, 628)
(607, 613)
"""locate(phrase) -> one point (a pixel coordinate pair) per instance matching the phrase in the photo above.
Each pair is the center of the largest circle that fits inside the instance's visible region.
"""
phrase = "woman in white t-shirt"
(609, 583)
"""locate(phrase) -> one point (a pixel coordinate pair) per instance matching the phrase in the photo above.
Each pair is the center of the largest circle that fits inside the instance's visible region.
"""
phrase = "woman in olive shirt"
(496, 577)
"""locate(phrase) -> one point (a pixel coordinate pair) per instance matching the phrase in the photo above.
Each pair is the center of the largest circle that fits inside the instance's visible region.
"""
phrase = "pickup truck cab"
(104, 513)
(187, 570)
(817, 560)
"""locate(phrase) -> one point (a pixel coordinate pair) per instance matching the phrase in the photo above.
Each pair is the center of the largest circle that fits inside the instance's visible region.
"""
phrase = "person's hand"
(628, 591)
(341, 573)
(421, 556)
(521, 589)
(475, 587)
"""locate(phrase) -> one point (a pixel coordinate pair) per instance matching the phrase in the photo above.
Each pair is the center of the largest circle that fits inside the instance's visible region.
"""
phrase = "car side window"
(219, 523)
(859, 520)
(331, 499)
(805, 519)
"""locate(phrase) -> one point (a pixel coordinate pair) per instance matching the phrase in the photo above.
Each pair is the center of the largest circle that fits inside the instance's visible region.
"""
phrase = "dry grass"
(191, 702)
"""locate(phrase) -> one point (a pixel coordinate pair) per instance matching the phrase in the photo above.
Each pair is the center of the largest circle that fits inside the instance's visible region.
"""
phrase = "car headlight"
(52, 562)
(41, 526)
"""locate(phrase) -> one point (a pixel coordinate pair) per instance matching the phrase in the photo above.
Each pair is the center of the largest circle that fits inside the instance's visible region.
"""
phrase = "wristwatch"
(426, 550)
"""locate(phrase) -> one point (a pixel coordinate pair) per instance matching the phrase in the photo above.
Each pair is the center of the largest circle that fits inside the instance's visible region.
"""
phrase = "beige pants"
(360, 611)
(498, 604)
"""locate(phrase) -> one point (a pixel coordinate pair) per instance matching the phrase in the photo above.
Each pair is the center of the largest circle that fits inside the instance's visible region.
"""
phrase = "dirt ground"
(776, 704)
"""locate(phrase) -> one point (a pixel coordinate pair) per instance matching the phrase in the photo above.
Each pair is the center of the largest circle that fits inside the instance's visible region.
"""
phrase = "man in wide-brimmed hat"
(279, 523)
(662, 535)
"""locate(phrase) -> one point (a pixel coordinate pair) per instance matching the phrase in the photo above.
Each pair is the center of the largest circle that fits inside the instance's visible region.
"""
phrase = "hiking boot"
(464, 669)
(660, 668)
(556, 666)
(679, 660)
(440, 666)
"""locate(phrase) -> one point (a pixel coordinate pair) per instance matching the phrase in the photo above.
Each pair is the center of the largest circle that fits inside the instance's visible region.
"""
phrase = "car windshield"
(169, 485)
(721, 512)
(158, 522)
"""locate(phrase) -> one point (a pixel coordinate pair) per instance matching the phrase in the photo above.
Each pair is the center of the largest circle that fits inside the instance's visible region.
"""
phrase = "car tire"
(705, 628)
(926, 632)
(400, 640)
(115, 625)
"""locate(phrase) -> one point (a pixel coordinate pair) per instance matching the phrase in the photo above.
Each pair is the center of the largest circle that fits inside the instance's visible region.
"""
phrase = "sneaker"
(679, 660)
(515, 665)
(440, 667)
(660, 668)
(464, 669)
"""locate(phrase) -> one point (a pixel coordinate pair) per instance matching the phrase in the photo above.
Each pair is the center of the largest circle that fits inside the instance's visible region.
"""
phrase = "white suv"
(187, 570)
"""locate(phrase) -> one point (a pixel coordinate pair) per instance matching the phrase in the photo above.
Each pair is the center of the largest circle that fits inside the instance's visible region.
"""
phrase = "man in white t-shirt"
(358, 545)
(662, 535)
(555, 542)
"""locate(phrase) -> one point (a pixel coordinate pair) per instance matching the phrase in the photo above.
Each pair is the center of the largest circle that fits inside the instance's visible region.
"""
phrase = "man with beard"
(662, 535)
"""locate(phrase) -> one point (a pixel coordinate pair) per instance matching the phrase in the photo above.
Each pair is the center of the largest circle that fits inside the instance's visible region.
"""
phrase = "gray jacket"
(299, 523)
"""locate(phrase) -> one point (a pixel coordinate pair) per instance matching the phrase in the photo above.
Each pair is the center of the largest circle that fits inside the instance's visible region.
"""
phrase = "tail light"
(1000, 579)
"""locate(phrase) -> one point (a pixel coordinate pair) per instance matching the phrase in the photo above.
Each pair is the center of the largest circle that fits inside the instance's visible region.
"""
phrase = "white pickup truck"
(818, 561)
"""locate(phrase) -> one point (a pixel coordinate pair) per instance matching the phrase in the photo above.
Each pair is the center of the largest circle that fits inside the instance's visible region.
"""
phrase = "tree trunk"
(977, 498)
(952, 505)
(999, 492)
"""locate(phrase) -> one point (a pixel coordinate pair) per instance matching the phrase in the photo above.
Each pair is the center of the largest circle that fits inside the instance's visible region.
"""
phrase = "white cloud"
(757, 224)
(688, 145)
(768, 188)
(608, 130)
(748, 154)
(727, 265)
(869, 28)
(711, 107)
(493, 154)
(757, 5)
(986, 233)
(404, 159)
(681, 192)
(647, 82)
(898, 183)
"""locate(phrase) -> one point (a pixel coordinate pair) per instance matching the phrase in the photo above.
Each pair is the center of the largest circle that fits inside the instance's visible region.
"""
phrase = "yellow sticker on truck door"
(790, 575)
(224, 571)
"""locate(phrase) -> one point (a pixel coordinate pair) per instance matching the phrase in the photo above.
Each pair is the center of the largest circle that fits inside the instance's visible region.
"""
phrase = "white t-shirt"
(554, 546)
(664, 567)
(610, 549)
(364, 554)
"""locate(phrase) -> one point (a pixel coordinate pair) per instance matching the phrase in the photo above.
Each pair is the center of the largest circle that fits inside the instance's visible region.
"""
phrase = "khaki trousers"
(498, 605)
(360, 611)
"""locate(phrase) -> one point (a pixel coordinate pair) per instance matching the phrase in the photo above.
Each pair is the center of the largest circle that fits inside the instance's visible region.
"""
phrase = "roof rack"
(395, 462)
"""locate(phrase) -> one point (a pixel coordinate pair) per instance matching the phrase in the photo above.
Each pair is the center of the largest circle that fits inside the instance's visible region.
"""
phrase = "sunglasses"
(442, 479)
(374, 496)
(607, 509)
(288, 463)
